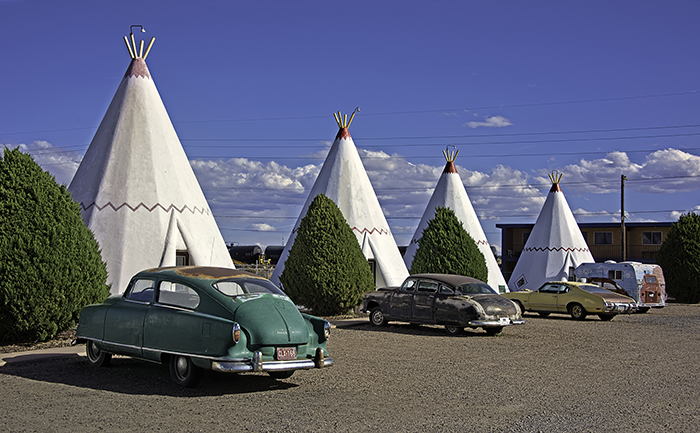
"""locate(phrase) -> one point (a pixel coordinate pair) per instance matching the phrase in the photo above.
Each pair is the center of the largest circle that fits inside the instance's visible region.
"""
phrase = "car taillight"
(236, 332)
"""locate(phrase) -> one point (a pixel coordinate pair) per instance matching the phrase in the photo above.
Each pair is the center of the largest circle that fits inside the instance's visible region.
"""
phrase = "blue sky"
(593, 89)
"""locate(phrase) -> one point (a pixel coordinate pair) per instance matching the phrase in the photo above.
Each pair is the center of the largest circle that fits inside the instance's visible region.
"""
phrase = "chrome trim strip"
(493, 323)
(248, 365)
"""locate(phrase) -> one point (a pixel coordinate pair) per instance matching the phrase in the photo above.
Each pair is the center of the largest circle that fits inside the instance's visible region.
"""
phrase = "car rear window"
(246, 286)
(475, 289)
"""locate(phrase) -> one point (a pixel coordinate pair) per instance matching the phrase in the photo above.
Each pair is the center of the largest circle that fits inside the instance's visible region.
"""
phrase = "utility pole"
(623, 178)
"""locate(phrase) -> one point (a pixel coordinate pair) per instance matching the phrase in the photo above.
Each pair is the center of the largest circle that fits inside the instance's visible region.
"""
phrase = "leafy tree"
(50, 264)
(446, 248)
(679, 257)
(326, 270)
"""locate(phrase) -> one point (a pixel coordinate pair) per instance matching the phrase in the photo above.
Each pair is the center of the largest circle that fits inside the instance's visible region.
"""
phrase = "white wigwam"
(555, 246)
(136, 188)
(450, 193)
(344, 180)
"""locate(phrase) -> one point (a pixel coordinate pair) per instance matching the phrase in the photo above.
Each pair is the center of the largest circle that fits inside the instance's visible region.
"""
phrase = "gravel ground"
(635, 373)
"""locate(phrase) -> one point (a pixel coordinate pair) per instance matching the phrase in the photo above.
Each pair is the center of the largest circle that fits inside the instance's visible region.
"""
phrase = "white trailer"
(641, 281)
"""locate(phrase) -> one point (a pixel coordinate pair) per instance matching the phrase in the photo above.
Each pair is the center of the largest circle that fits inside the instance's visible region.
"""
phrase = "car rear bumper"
(494, 323)
(257, 364)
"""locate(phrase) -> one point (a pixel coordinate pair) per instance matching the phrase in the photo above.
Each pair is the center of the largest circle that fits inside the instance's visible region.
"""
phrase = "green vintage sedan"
(576, 299)
(193, 318)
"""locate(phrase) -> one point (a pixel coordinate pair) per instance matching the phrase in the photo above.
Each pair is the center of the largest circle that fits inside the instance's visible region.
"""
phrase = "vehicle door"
(545, 299)
(402, 300)
(173, 325)
(448, 309)
(423, 299)
(564, 297)
(124, 320)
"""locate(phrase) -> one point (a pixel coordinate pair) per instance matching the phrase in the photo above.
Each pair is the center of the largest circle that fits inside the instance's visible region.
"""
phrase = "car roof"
(451, 279)
(201, 272)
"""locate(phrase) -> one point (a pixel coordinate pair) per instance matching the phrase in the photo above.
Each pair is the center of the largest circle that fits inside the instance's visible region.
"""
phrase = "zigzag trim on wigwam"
(540, 249)
(142, 205)
(372, 231)
(481, 242)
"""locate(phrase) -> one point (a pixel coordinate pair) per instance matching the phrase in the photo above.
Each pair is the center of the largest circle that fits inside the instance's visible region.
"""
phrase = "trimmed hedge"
(50, 264)
(446, 248)
(326, 270)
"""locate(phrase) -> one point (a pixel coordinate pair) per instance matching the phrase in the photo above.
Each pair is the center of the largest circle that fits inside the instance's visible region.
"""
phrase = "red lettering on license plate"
(284, 353)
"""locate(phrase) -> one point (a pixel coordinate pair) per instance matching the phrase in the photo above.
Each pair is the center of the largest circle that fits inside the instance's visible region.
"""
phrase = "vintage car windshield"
(474, 289)
(592, 288)
(246, 286)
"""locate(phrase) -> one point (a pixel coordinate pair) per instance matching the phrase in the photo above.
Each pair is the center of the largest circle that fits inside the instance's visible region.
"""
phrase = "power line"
(365, 113)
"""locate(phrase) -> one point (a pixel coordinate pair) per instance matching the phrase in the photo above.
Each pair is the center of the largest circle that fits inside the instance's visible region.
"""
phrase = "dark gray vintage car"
(454, 301)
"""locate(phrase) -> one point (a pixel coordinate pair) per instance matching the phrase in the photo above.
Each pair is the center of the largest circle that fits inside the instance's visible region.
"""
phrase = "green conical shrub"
(326, 270)
(50, 264)
(446, 248)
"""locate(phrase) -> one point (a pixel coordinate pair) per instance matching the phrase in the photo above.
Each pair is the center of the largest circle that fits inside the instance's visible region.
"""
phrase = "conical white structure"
(450, 193)
(555, 246)
(344, 180)
(136, 188)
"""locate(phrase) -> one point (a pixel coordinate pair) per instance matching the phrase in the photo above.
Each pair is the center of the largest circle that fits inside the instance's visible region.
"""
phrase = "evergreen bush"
(326, 270)
(446, 248)
(679, 257)
(50, 264)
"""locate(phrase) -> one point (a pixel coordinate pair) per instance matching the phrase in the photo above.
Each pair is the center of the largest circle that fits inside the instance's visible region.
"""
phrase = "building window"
(651, 238)
(526, 235)
(603, 238)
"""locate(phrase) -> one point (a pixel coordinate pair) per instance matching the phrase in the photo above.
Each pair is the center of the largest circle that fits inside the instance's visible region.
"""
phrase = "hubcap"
(181, 366)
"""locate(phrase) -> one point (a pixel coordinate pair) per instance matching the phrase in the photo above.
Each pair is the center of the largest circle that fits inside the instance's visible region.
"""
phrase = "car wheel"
(281, 374)
(493, 330)
(453, 330)
(606, 317)
(95, 356)
(543, 314)
(183, 372)
(577, 312)
(377, 317)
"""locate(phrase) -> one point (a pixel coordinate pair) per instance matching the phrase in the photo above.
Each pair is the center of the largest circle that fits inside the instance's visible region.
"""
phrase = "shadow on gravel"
(429, 330)
(132, 376)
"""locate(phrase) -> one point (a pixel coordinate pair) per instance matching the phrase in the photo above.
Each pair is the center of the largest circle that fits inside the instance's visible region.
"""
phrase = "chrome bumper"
(257, 364)
(493, 323)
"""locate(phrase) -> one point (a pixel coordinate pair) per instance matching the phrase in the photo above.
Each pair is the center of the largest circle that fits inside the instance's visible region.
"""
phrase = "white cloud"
(61, 163)
(490, 122)
(667, 171)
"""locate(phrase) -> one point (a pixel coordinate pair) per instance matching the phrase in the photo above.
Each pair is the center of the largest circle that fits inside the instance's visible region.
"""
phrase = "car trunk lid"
(271, 320)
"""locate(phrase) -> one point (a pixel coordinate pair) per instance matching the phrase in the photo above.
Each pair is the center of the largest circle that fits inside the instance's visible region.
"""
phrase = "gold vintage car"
(576, 299)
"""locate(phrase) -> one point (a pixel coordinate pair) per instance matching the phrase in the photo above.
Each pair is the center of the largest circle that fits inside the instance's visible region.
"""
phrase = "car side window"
(141, 290)
(177, 295)
(550, 288)
(564, 289)
(444, 290)
(427, 287)
(409, 285)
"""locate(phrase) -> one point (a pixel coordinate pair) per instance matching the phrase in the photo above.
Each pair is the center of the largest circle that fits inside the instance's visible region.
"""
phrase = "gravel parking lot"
(635, 373)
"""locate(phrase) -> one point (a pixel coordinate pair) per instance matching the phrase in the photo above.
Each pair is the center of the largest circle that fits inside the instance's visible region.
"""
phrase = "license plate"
(503, 320)
(621, 307)
(284, 353)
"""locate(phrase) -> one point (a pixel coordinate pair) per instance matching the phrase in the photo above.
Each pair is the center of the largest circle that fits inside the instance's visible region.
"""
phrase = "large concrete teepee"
(137, 190)
(344, 180)
(450, 192)
(555, 246)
